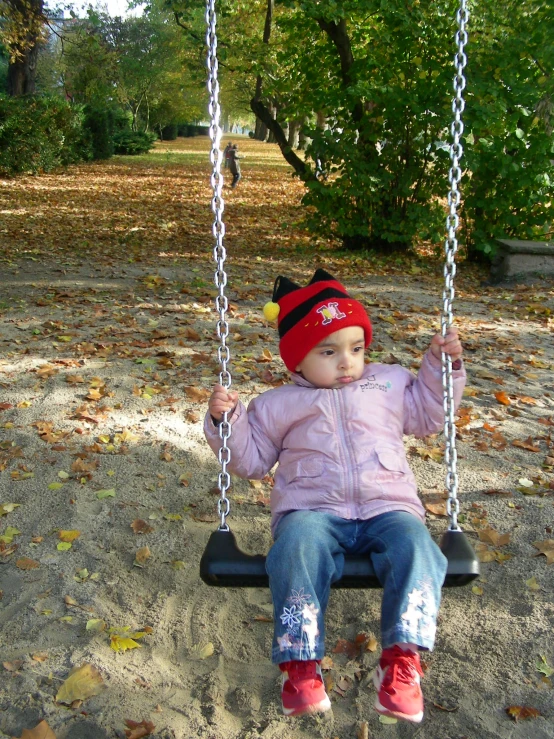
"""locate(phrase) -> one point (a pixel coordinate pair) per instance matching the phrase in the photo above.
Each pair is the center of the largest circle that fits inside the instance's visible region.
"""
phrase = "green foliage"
(133, 142)
(509, 147)
(99, 124)
(38, 134)
(169, 132)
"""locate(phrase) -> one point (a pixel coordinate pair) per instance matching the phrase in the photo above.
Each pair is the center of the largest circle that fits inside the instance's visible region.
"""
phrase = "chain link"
(219, 255)
(451, 247)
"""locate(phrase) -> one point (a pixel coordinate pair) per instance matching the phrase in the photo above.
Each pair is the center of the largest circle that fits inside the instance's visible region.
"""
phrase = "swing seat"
(223, 564)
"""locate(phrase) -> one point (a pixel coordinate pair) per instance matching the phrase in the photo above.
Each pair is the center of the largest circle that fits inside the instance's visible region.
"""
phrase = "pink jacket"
(339, 451)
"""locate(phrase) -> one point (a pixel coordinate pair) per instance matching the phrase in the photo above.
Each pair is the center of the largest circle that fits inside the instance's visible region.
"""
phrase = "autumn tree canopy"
(363, 87)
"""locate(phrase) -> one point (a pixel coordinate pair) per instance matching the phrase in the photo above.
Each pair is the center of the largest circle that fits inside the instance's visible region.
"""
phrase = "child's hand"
(449, 344)
(222, 400)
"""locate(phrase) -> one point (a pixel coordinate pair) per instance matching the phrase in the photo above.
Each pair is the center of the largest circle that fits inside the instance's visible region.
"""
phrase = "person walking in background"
(227, 154)
(234, 165)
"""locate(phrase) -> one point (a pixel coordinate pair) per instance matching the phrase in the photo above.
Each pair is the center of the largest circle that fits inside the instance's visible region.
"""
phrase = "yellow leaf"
(63, 546)
(63, 338)
(204, 651)
(70, 535)
(122, 643)
(477, 590)
(532, 584)
(83, 682)
(6, 508)
(96, 624)
(55, 486)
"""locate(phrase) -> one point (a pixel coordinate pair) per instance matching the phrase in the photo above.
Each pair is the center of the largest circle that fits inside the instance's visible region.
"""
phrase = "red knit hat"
(306, 315)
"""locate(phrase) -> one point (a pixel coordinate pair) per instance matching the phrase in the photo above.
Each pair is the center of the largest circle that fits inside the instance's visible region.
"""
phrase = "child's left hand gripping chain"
(222, 400)
(449, 344)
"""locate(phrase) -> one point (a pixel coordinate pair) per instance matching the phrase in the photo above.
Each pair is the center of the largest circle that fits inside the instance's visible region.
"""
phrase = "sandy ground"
(101, 378)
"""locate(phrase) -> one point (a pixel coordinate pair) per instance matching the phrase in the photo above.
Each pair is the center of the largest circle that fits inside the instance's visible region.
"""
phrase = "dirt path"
(107, 354)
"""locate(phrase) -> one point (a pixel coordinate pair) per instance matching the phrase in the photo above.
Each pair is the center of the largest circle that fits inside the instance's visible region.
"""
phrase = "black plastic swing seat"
(223, 564)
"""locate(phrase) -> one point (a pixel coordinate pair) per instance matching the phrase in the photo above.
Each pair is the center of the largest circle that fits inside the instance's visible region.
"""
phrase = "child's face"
(337, 361)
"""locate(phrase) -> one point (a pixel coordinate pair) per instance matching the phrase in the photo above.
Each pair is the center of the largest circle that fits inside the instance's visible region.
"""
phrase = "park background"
(108, 349)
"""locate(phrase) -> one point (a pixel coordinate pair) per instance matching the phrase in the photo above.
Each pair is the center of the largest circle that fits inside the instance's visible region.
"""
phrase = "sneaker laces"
(302, 670)
(404, 667)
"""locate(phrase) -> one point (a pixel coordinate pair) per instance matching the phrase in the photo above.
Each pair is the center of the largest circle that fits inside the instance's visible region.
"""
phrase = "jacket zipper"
(348, 457)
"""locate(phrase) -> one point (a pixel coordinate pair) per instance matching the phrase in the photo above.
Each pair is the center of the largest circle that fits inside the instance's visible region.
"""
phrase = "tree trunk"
(22, 73)
(261, 132)
(302, 138)
(29, 20)
(301, 168)
(294, 129)
(271, 137)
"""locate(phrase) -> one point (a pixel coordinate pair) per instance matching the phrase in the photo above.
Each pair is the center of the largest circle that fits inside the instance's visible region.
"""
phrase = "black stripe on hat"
(302, 310)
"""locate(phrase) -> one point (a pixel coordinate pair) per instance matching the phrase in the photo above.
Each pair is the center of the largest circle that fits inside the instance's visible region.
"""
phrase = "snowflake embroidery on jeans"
(299, 598)
(291, 618)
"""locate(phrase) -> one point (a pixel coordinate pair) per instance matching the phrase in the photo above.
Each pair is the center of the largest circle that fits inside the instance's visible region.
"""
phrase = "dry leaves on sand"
(82, 683)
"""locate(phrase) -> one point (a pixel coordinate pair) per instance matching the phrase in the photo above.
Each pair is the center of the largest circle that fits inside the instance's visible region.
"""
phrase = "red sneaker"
(397, 681)
(303, 690)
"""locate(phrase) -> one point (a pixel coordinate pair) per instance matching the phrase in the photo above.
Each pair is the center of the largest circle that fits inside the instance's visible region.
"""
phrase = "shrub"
(40, 133)
(169, 132)
(133, 142)
(99, 124)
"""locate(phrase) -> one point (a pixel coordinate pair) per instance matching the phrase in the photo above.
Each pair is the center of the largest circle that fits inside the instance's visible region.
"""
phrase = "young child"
(343, 485)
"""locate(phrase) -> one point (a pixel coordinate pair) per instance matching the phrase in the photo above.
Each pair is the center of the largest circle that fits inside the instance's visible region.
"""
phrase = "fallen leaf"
(140, 526)
(503, 398)
(522, 712)
(142, 555)
(41, 731)
(123, 642)
(96, 625)
(491, 536)
(545, 547)
(137, 730)
(68, 536)
(203, 651)
(26, 564)
(83, 682)
(543, 666)
(198, 394)
(101, 494)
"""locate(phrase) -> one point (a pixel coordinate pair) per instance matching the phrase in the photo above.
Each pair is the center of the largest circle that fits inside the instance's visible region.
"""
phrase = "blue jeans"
(308, 555)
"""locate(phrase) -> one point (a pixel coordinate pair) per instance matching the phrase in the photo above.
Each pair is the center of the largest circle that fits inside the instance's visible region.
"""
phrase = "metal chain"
(451, 247)
(219, 255)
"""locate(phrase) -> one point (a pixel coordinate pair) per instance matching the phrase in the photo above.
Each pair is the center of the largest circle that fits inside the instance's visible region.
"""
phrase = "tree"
(22, 30)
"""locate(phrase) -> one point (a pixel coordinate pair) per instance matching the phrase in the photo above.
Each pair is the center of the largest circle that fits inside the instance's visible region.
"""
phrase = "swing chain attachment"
(451, 247)
(219, 255)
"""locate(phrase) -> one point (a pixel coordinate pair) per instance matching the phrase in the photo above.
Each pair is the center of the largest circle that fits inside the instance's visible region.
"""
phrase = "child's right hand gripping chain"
(221, 400)
(449, 344)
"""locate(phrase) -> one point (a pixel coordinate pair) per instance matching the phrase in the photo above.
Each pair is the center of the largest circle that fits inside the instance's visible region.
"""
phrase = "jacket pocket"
(307, 468)
(392, 460)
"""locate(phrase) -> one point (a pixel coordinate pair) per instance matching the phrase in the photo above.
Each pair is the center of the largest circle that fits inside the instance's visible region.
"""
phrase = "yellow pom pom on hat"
(271, 311)
(306, 315)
